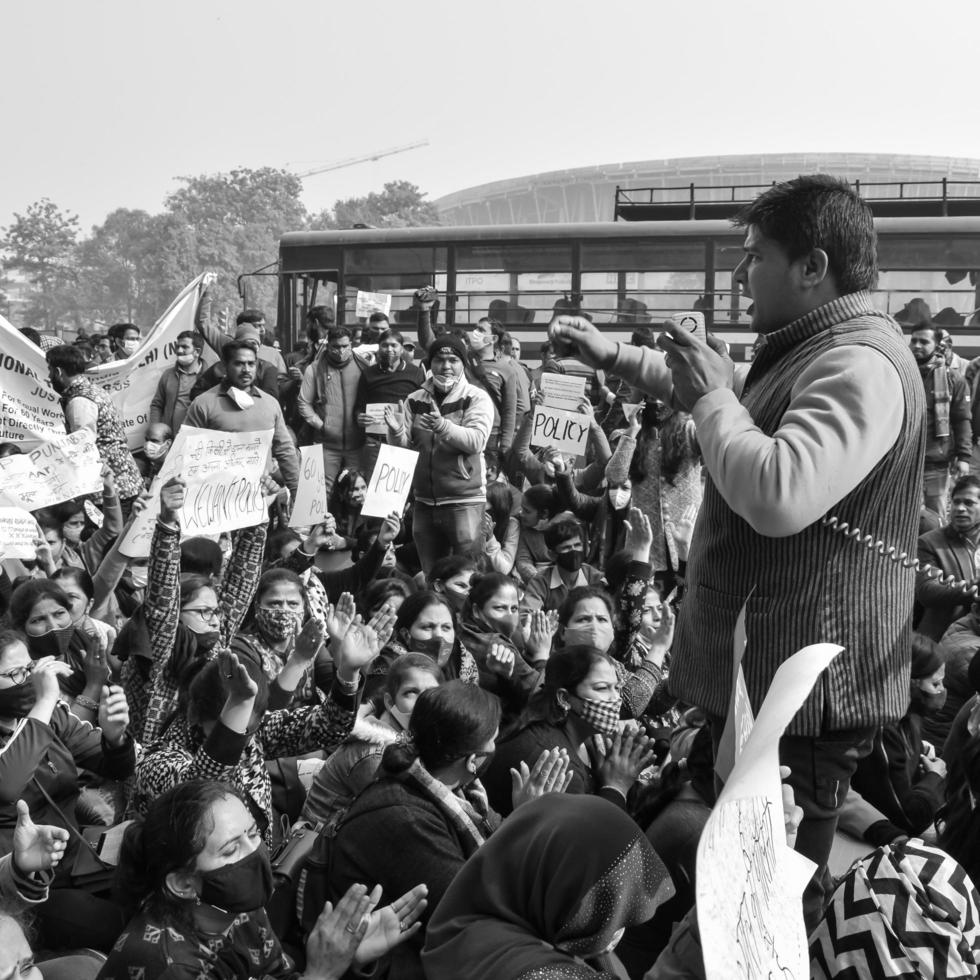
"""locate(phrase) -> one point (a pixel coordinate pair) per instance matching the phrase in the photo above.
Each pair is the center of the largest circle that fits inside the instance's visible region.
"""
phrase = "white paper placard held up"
(566, 431)
(18, 532)
(368, 303)
(564, 391)
(390, 483)
(377, 425)
(65, 467)
(311, 494)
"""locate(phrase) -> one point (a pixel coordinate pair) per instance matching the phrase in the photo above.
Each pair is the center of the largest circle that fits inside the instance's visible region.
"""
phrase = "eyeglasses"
(17, 675)
(206, 614)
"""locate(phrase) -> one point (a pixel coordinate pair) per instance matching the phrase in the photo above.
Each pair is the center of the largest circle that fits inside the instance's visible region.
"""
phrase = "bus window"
(397, 271)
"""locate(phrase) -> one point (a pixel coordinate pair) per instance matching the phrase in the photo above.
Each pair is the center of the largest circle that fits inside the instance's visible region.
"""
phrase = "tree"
(399, 205)
(41, 244)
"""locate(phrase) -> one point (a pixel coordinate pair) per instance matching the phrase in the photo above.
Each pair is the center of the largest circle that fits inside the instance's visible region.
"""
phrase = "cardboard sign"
(30, 411)
(391, 482)
(368, 303)
(564, 391)
(566, 431)
(223, 473)
(18, 532)
(311, 494)
(377, 426)
(749, 882)
(68, 466)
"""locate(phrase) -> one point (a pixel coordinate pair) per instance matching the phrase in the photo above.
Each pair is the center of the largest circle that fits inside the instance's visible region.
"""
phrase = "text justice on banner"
(223, 472)
(29, 409)
(132, 383)
(58, 470)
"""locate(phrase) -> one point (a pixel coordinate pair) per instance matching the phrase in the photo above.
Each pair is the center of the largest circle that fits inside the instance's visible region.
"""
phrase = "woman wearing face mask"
(428, 805)
(197, 877)
(223, 725)
(78, 586)
(523, 906)
(451, 577)
(577, 709)
(501, 529)
(43, 612)
(186, 618)
(902, 776)
(490, 629)
(355, 764)
(43, 745)
(659, 454)
(538, 506)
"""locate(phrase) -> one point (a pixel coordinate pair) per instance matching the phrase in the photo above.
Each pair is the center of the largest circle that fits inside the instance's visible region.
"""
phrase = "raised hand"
(549, 774)
(501, 659)
(308, 642)
(542, 634)
(95, 664)
(356, 650)
(391, 925)
(639, 535)
(36, 848)
(47, 670)
(237, 681)
(113, 714)
(697, 366)
(172, 495)
(627, 755)
(383, 624)
(594, 347)
(682, 531)
(338, 932)
(389, 529)
(340, 616)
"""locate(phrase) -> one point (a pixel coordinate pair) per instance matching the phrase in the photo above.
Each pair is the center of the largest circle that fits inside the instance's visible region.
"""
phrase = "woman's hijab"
(549, 892)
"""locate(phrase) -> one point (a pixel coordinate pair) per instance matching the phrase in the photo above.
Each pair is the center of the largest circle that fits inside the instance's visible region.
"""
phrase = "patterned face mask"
(277, 625)
(602, 715)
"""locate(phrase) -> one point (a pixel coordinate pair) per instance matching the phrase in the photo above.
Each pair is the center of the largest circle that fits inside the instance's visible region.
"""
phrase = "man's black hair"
(819, 211)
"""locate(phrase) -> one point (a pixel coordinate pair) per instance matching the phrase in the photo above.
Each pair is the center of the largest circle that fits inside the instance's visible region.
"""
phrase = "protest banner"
(18, 532)
(391, 481)
(223, 472)
(368, 303)
(65, 467)
(30, 412)
(564, 391)
(311, 494)
(749, 881)
(132, 383)
(565, 431)
(377, 425)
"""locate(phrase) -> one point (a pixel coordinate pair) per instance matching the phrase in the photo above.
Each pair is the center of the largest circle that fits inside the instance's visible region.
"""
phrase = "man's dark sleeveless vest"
(815, 586)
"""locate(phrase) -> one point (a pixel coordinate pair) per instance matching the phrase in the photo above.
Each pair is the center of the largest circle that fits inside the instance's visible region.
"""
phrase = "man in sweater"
(235, 404)
(829, 419)
(326, 402)
(950, 442)
(173, 395)
(389, 381)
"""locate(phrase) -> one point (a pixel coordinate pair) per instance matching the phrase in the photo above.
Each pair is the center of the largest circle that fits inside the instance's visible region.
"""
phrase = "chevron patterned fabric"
(902, 913)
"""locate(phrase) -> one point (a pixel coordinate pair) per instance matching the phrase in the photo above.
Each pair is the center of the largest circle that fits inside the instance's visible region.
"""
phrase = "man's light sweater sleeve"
(845, 412)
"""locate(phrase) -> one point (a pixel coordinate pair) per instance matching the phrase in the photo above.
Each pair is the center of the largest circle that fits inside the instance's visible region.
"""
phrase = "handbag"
(290, 857)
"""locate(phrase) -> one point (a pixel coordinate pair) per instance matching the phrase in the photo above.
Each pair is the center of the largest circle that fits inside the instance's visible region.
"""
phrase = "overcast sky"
(104, 103)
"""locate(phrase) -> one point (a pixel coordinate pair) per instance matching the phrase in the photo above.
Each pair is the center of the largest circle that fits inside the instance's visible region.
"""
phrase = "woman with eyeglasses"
(43, 745)
(187, 619)
(428, 808)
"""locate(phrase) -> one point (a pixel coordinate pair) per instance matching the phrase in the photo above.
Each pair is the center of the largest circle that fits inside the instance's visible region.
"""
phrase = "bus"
(621, 274)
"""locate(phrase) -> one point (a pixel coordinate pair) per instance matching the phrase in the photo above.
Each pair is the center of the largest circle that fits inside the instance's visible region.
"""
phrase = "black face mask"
(207, 639)
(17, 701)
(243, 886)
(54, 643)
(435, 647)
(569, 561)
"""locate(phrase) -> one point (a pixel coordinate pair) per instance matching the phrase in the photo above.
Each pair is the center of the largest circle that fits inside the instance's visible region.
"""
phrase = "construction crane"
(351, 161)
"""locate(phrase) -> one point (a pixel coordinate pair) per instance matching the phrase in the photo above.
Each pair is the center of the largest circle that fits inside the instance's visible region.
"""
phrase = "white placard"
(566, 431)
(66, 467)
(564, 391)
(368, 303)
(391, 482)
(223, 472)
(311, 494)
(377, 425)
(18, 532)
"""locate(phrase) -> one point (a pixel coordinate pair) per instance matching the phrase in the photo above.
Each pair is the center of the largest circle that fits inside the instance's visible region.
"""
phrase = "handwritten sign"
(749, 882)
(30, 411)
(391, 482)
(68, 466)
(223, 473)
(368, 303)
(566, 431)
(377, 426)
(564, 391)
(311, 494)
(18, 532)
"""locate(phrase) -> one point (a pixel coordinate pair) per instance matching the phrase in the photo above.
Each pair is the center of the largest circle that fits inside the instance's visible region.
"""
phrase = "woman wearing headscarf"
(547, 897)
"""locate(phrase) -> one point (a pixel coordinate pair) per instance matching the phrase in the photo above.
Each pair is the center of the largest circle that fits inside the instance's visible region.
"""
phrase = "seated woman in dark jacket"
(577, 710)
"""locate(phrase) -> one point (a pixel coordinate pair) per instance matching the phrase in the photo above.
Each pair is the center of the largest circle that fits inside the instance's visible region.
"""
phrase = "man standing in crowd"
(236, 405)
(447, 421)
(102, 346)
(829, 419)
(510, 351)
(173, 395)
(266, 377)
(953, 550)
(501, 382)
(389, 381)
(87, 406)
(326, 404)
(950, 422)
(318, 321)
(125, 339)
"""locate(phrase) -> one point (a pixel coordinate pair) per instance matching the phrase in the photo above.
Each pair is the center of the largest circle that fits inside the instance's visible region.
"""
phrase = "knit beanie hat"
(448, 344)
(926, 658)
